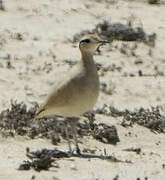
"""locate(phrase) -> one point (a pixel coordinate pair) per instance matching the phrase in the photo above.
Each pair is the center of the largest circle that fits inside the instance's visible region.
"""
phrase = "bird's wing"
(62, 91)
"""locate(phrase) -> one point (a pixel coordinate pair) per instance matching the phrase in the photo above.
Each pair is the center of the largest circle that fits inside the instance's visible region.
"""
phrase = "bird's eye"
(86, 40)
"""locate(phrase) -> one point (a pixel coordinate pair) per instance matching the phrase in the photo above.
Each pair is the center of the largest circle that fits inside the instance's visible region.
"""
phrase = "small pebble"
(73, 167)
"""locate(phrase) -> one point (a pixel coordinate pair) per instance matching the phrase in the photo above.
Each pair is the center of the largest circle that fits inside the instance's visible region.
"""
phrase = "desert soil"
(35, 42)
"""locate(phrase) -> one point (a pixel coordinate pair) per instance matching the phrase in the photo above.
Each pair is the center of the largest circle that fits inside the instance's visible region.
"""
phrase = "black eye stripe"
(86, 41)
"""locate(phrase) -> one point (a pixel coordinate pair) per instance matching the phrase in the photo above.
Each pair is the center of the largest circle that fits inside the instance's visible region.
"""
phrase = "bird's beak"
(104, 41)
(101, 43)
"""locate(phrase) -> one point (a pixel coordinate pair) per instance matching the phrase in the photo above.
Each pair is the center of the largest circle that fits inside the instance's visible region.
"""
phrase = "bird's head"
(90, 42)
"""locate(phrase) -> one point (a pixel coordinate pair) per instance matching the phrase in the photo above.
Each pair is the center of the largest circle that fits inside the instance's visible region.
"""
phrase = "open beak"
(102, 42)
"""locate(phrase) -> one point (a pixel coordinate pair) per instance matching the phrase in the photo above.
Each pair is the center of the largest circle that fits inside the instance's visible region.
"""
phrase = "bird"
(77, 91)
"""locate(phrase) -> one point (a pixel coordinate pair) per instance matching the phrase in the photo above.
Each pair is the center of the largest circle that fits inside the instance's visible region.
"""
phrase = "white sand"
(46, 26)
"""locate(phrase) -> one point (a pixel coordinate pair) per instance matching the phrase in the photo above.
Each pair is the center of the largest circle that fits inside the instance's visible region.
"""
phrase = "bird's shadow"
(45, 158)
(94, 156)
(56, 153)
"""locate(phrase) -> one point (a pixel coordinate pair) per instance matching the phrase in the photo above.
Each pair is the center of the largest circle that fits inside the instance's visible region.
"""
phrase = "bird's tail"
(40, 111)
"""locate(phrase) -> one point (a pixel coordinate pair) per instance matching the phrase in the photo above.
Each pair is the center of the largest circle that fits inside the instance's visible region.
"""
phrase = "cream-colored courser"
(78, 90)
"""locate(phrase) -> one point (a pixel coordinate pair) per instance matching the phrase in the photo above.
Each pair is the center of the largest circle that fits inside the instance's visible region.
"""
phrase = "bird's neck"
(87, 59)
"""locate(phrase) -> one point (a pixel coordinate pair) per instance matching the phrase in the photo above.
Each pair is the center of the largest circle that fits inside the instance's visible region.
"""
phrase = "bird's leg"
(67, 137)
(73, 122)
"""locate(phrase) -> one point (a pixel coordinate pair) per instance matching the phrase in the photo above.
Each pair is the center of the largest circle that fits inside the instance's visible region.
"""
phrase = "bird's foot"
(70, 153)
(78, 151)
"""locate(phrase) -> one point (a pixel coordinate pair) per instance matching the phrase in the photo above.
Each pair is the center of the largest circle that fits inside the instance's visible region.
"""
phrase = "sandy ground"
(31, 63)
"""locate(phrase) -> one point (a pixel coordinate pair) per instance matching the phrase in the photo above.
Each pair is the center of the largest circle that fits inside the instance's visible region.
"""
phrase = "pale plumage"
(77, 91)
